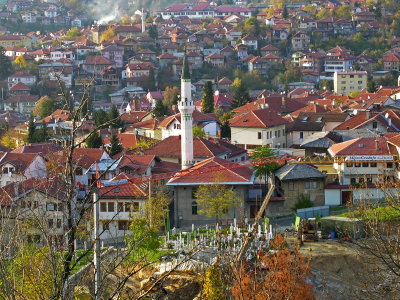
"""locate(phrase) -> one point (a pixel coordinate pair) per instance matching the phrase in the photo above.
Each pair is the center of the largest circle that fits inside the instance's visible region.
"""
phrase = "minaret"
(143, 21)
(186, 108)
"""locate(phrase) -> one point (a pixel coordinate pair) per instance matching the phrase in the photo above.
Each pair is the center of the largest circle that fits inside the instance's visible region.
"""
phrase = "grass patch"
(381, 214)
(337, 208)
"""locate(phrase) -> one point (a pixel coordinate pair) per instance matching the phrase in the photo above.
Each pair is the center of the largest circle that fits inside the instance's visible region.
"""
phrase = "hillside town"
(193, 128)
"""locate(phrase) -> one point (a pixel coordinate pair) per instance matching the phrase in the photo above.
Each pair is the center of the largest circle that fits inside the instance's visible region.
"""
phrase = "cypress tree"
(207, 103)
(5, 63)
(94, 141)
(113, 115)
(115, 147)
(241, 96)
(31, 130)
(285, 13)
(159, 110)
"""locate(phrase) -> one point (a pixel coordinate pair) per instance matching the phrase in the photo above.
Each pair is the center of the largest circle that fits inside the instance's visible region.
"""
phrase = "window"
(123, 225)
(311, 185)
(373, 165)
(58, 223)
(389, 165)
(50, 207)
(110, 206)
(349, 164)
(374, 125)
(357, 164)
(135, 206)
(103, 206)
(359, 82)
(194, 208)
(35, 204)
(259, 135)
(301, 134)
(120, 206)
(291, 186)
(194, 191)
(78, 171)
(365, 165)
(106, 225)
(50, 223)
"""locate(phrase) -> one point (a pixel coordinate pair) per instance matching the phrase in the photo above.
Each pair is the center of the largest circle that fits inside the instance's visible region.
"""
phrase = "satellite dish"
(216, 93)
(387, 115)
(355, 112)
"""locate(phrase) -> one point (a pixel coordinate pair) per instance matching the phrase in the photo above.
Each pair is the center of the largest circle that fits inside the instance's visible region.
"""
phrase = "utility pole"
(96, 250)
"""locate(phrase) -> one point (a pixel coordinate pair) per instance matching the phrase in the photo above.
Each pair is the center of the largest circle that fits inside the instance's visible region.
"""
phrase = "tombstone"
(192, 227)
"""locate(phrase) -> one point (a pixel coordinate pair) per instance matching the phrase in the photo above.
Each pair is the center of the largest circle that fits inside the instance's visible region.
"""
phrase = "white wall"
(332, 197)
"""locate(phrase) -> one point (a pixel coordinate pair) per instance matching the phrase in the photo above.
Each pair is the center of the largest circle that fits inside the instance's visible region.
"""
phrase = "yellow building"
(10, 40)
(346, 82)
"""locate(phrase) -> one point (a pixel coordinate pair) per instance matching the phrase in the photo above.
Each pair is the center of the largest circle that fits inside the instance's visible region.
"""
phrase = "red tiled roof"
(274, 103)
(127, 190)
(43, 148)
(20, 160)
(171, 147)
(20, 86)
(257, 118)
(127, 140)
(133, 116)
(361, 146)
(214, 170)
(97, 60)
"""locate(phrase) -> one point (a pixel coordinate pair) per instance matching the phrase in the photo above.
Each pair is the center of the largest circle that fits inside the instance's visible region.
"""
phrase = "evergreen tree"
(152, 80)
(175, 99)
(31, 130)
(207, 103)
(285, 13)
(94, 141)
(152, 32)
(100, 117)
(113, 115)
(371, 86)
(6, 67)
(241, 96)
(225, 130)
(42, 134)
(115, 146)
(159, 110)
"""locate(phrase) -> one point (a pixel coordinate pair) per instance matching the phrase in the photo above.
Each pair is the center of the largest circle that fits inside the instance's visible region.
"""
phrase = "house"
(345, 82)
(118, 203)
(34, 201)
(95, 64)
(359, 163)
(250, 41)
(24, 104)
(171, 126)
(165, 60)
(62, 70)
(110, 77)
(338, 59)
(377, 122)
(293, 181)
(195, 59)
(209, 171)
(114, 54)
(128, 140)
(148, 128)
(391, 62)
(169, 150)
(270, 49)
(307, 124)
(19, 89)
(10, 40)
(23, 77)
(224, 84)
(138, 70)
(258, 128)
(17, 167)
(300, 41)
(215, 59)
(259, 64)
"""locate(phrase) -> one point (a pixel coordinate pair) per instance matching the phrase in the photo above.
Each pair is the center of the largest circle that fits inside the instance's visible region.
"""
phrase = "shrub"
(303, 201)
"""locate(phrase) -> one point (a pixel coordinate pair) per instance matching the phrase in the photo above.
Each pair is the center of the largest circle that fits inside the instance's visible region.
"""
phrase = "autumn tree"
(45, 107)
(207, 102)
(199, 132)
(281, 274)
(215, 200)
(170, 95)
(8, 141)
(241, 94)
(107, 34)
(213, 287)
(21, 62)
(73, 33)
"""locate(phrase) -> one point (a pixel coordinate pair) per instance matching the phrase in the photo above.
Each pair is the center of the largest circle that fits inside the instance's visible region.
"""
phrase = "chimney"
(377, 144)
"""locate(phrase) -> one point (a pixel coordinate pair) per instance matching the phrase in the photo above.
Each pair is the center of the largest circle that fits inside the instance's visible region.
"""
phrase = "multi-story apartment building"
(345, 82)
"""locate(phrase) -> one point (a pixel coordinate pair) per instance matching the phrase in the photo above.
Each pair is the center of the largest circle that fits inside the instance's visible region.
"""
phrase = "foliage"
(213, 287)
(292, 74)
(8, 141)
(152, 32)
(31, 130)
(21, 62)
(148, 82)
(197, 131)
(207, 103)
(5, 63)
(355, 94)
(156, 209)
(170, 95)
(45, 107)
(73, 33)
(285, 13)
(371, 86)
(115, 146)
(303, 201)
(42, 134)
(283, 276)
(100, 117)
(159, 110)
(343, 12)
(225, 130)
(216, 199)
(165, 78)
(241, 95)
(260, 159)
(381, 214)
(94, 141)
(107, 34)
(114, 118)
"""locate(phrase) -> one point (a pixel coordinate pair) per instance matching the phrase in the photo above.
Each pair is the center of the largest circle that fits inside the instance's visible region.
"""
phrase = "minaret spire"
(186, 108)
